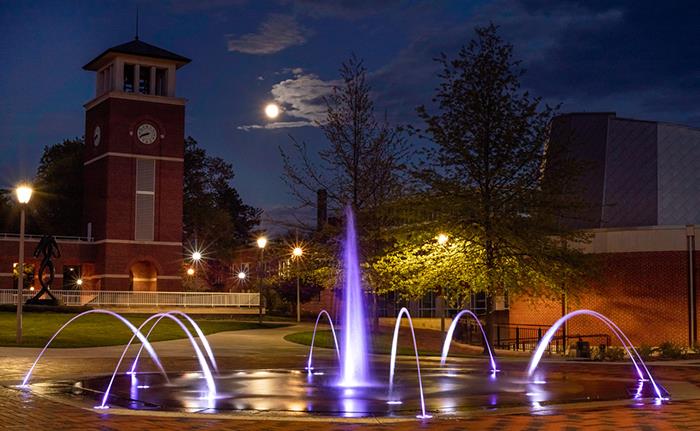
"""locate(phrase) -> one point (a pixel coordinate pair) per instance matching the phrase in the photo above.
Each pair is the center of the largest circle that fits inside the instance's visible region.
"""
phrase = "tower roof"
(138, 48)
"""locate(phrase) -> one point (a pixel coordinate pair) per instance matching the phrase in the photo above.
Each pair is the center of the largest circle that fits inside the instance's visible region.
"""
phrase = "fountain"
(354, 358)
(629, 348)
(450, 333)
(322, 313)
(349, 390)
(392, 363)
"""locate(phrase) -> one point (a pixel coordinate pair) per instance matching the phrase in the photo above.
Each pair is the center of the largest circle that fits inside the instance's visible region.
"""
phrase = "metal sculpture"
(48, 249)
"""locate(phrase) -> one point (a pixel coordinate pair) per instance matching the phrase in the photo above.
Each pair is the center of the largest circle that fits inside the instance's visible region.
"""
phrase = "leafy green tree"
(484, 183)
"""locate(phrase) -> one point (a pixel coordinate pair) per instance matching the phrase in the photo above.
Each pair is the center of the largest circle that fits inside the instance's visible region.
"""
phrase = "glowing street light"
(24, 194)
(272, 110)
(190, 271)
(262, 242)
(297, 252)
(196, 256)
(442, 239)
(79, 282)
(242, 275)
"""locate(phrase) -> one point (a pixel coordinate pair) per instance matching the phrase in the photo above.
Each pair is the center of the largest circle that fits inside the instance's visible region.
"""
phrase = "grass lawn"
(381, 342)
(103, 330)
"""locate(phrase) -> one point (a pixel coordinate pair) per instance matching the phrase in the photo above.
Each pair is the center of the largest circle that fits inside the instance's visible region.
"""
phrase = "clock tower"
(133, 168)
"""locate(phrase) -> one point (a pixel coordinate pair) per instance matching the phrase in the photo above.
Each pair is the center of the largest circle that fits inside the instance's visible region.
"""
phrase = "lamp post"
(442, 240)
(24, 193)
(262, 242)
(297, 252)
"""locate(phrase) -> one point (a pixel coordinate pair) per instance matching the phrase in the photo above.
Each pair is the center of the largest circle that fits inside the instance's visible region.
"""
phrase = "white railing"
(106, 298)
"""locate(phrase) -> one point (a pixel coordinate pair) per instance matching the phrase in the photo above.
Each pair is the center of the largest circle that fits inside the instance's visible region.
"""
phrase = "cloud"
(301, 99)
(275, 125)
(275, 34)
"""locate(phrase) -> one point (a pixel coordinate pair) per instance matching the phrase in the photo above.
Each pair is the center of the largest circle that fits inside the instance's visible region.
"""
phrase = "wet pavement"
(246, 350)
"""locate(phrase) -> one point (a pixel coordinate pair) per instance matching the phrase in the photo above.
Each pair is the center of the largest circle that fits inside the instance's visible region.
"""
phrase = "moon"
(272, 110)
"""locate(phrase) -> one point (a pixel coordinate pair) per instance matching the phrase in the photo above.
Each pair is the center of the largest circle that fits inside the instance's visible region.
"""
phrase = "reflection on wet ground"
(447, 390)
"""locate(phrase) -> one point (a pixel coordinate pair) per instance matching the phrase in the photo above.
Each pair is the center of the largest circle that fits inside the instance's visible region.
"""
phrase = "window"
(161, 82)
(129, 78)
(145, 199)
(144, 79)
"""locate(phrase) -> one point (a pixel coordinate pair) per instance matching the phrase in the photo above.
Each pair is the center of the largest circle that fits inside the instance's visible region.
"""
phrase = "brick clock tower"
(133, 169)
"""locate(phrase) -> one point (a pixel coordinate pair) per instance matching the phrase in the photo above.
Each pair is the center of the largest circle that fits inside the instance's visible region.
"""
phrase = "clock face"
(147, 133)
(96, 136)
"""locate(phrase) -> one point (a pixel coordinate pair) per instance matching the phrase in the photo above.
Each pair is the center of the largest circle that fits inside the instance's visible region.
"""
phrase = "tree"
(57, 204)
(214, 215)
(482, 178)
(361, 164)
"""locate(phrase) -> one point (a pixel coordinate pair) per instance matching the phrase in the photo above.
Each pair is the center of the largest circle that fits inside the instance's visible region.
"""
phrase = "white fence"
(105, 298)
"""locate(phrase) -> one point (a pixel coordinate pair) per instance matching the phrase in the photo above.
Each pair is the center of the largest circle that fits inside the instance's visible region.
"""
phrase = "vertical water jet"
(354, 359)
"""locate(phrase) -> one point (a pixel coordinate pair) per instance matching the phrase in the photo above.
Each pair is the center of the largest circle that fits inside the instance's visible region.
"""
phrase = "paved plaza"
(267, 349)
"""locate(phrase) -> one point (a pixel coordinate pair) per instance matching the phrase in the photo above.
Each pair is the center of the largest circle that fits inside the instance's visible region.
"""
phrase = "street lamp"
(442, 240)
(190, 271)
(241, 275)
(24, 194)
(262, 242)
(297, 252)
(196, 256)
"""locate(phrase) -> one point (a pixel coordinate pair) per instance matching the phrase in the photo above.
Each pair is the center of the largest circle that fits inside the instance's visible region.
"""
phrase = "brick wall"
(645, 293)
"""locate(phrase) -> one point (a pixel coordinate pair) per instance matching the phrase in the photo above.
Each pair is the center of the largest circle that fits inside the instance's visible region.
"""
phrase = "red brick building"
(643, 187)
(133, 178)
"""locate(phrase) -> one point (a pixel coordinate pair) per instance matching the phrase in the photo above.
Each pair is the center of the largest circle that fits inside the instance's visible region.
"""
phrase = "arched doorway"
(143, 277)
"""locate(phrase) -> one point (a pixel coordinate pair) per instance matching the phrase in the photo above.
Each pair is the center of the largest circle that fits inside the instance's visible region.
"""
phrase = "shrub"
(669, 350)
(611, 353)
(646, 352)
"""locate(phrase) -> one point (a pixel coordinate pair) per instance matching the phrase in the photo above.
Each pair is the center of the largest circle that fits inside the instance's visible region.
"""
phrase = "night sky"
(640, 59)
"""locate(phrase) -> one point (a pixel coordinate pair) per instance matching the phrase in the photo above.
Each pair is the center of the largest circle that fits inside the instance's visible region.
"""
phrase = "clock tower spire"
(133, 167)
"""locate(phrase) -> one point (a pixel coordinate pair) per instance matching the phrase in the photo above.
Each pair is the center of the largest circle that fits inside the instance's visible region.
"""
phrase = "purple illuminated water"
(626, 343)
(354, 361)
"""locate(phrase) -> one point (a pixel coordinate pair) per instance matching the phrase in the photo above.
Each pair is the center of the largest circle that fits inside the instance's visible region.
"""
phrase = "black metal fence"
(526, 338)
